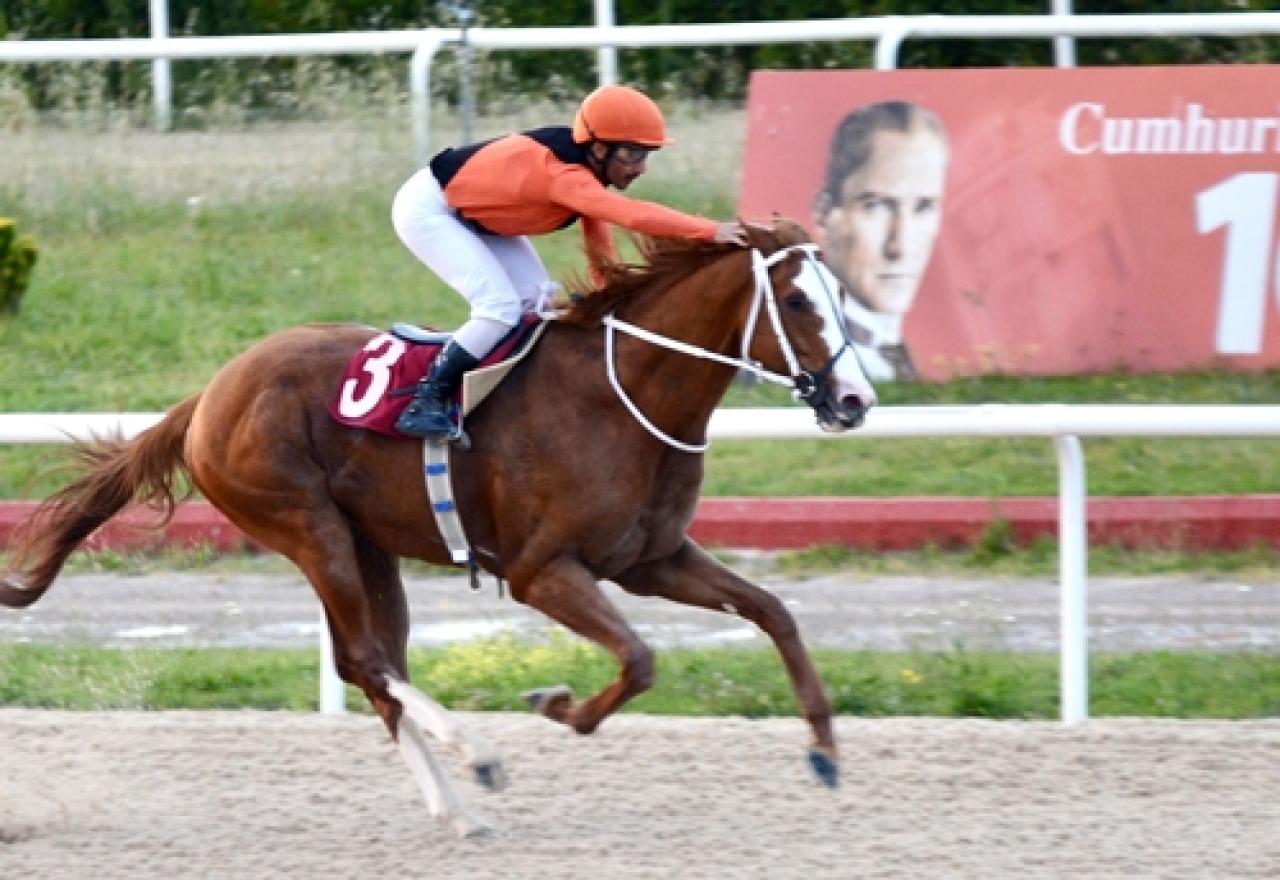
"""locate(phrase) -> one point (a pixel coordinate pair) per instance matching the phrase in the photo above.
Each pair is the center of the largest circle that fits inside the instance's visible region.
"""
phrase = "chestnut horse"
(584, 465)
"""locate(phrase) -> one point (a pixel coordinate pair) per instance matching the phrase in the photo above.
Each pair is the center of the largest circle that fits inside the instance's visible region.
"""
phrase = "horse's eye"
(796, 302)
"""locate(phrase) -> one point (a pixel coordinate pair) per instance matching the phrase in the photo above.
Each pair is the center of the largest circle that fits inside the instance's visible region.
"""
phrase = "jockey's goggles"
(632, 154)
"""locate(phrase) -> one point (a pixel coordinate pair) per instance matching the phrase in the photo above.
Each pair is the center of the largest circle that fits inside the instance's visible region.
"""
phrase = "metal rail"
(888, 33)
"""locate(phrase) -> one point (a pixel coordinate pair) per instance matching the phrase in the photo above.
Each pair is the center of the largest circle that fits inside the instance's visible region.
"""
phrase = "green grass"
(490, 675)
(996, 555)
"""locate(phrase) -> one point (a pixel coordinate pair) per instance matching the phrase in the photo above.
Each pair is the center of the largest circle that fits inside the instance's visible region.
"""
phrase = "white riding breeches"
(501, 277)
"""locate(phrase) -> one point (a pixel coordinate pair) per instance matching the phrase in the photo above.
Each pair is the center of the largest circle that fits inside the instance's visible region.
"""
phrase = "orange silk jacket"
(538, 181)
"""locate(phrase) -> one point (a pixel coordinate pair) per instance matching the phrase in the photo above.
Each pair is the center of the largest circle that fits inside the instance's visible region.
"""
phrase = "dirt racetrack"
(255, 795)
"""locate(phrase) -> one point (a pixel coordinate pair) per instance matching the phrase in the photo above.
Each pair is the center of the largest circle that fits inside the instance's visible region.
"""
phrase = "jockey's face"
(625, 165)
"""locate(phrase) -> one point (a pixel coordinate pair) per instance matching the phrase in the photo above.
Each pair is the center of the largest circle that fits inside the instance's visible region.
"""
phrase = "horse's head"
(804, 336)
(790, 329)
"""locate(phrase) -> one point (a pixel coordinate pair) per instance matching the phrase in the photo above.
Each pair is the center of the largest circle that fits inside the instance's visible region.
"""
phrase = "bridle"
(809, 386)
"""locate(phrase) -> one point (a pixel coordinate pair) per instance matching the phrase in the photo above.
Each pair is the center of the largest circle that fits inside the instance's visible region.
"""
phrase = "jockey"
(466, 216)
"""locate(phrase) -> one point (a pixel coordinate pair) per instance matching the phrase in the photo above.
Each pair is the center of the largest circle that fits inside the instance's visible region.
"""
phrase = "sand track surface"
(136, 795)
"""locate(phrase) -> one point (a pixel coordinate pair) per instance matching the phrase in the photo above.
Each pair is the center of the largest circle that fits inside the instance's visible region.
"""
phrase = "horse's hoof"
(491, 775)
(823, 764)
(471, 827)
(547, 700)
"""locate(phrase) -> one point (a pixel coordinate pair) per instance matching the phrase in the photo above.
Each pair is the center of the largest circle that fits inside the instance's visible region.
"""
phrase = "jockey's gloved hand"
(731, 232)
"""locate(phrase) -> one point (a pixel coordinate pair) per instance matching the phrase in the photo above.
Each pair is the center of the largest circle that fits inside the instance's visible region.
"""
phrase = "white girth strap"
(435, 466)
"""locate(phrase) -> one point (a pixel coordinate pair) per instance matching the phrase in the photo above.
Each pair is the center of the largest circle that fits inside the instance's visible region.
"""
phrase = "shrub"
(17, 256)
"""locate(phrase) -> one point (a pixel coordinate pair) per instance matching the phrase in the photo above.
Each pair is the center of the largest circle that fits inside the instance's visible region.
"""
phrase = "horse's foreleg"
(693, 577)
(567, 593)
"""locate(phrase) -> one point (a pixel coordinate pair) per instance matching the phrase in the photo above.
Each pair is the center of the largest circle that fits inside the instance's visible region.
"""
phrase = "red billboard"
(1035, 221)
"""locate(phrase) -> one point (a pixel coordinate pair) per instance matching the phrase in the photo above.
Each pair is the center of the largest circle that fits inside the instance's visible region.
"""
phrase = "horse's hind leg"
(569, 594)
(693, 577)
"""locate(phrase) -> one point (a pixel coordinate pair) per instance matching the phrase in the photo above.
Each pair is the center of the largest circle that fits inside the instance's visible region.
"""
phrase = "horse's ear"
(789, 231)
(782, 232)
(759, 236)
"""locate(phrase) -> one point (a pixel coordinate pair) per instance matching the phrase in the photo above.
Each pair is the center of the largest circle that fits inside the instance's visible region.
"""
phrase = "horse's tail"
(115, 473)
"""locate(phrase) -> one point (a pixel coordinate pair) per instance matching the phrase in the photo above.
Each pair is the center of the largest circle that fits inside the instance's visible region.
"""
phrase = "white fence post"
(606, 56)
(1073, 549)
(1064, 48)
(161, 83)
(333, 694)
(420, 91)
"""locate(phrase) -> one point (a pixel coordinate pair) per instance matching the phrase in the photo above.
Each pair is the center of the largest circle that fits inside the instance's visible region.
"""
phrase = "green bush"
(17, 257)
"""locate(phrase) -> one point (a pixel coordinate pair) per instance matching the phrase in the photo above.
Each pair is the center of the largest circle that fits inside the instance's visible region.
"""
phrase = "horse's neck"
(706, 310)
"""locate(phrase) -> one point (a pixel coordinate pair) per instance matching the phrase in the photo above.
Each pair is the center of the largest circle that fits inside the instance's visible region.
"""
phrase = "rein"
(804, 384)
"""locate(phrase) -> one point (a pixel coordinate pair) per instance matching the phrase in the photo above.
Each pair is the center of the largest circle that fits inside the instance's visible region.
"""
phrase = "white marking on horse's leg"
(444, 726)
(426, 772)
(442, 801)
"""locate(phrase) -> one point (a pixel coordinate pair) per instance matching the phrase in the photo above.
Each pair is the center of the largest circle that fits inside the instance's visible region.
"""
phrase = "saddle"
(421, 335)
(379, 379)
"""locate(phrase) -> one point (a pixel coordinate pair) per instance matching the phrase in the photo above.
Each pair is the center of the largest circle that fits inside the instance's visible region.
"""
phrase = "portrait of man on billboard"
(877, 217)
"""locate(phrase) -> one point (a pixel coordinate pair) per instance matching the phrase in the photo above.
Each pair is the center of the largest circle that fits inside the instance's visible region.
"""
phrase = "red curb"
(1189, 523)
(194, 524)
(1205, 522)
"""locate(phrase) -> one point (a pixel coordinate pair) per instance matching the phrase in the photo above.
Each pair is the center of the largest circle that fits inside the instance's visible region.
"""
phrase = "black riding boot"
(428, 414)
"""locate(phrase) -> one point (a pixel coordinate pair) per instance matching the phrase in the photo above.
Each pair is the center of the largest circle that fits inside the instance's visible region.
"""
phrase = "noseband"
(809, 386)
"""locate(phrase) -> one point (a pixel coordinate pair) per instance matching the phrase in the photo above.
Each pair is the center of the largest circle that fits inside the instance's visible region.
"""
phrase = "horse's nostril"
(853, 413)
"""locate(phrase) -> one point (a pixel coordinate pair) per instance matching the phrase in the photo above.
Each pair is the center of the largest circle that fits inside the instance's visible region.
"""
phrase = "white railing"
(1065, 424)
(888, 33)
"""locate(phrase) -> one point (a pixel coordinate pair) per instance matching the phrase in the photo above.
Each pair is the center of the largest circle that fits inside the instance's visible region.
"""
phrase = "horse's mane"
(665, 262)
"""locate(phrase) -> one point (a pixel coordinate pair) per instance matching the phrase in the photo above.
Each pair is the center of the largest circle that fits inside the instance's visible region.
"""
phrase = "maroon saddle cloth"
(379, 379)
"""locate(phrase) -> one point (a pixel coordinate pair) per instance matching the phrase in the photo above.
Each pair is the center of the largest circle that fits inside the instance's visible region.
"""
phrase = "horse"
(584, 464)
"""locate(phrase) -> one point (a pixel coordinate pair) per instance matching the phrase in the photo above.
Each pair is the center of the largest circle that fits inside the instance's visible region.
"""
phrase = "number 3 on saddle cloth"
(379, 379)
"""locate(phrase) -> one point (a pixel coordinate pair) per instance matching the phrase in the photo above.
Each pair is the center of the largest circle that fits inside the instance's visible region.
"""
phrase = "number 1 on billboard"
(1246, 205)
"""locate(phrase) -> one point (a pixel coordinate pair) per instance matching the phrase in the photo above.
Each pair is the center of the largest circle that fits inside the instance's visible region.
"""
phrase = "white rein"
(764, 297)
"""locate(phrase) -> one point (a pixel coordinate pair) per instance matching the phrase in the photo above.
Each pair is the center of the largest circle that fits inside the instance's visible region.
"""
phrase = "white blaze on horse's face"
(851, 388)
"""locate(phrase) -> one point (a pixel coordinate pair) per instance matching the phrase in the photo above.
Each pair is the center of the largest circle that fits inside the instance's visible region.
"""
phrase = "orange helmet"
(619, 114)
